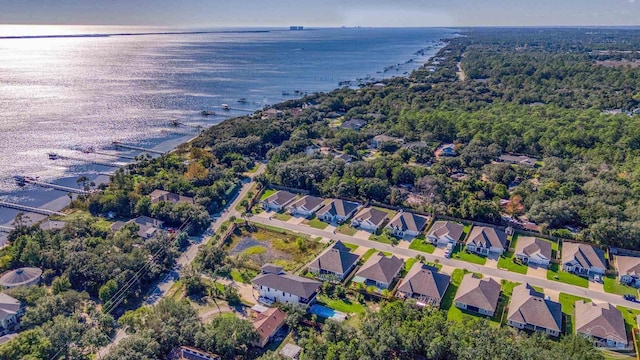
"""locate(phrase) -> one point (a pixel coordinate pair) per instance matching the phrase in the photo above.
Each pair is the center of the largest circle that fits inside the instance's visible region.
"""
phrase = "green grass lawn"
(555, 274)
(460, 254)
(455, 314)
(506, 262)
(390, 213)
(316, 224)
(612, 285)
(409, 263)
(629, 316)
(465, 231)
(346, 229)
(382, 238)
(567, 302)
(236, 276)
(283, 216)
(267, 193)
(254, 168)
(351, 247)
(344, 305)
(372, 251)
(255, 250)
(422, 245)
(81, 215)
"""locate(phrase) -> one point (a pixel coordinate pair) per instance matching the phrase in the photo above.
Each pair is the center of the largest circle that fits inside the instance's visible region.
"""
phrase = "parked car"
(448, 250)
(629, 297)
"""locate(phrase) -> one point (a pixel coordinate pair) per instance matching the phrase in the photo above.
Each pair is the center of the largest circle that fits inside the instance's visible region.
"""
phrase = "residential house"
(272, 114)
(407, 223)
(424, 284)
(530, 310)
(344, 157)
(448, 150)
(369, 219)
(147, 226)
(517, 160)
(486, 240)
(290, 351)
(191, 353)
(278, 200)
(353, 124)
(601, 322)
(305, 206)
(274, 285)
(533, 250)
(379, 271)
(6, 338)
(379, 140)
(10, 311)
(267, 325)
(337, 211)
(628, 268)
(161, 195)
(582, 259)
(311, 149)
(445, 232)
(478, 295)
(337, 262)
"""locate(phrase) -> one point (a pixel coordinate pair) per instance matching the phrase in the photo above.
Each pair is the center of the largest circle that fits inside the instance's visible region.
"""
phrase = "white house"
(369, 219)
(337, 211)
(582, 259)
(306, 206)
(445, 232)
(602, 323)
(484, 240)
(273, 284)
(10, 312)
(406, 223)
(533, 251)
(278, 200)
(478, 295)
(628, 268)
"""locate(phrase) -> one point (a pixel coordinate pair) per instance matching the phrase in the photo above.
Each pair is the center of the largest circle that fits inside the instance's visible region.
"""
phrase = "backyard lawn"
(267, 193)
(568, 309)
(81, 215)
(422, 245)
(316, 224)
(344, 305)
(629, 316)
(390, 213)
(562, 276)
(506, 262)
(408, 264)
(460, 254)
(612, 285)
(455, 314)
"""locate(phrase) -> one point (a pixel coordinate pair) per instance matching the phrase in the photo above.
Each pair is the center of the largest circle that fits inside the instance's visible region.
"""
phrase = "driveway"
(297, 220)
(502, 274)
(596, 286)
(492, 261)
(537, 272)
(361, 234)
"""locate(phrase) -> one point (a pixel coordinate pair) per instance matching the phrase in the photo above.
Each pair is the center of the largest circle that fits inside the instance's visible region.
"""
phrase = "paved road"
(502, 274)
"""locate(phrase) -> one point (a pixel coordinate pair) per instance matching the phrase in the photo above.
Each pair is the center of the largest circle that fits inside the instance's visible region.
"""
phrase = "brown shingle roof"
(336, 259)
(308, 202)
(161, 195)
(628, 265)
(408, 221)
(532, 246)
(423, 281)
(585, 255)
(600, 320)
(442, 228)
(381, 268)
(280, 198)
(339, 207)
(481, 293)
(375, 216)
(268, 323)
(293, 284)
(487, 237)
(530, 307)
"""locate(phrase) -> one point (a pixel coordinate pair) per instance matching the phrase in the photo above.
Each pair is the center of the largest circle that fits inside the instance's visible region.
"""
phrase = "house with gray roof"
(379, 271)
(336, 263)
(379, 140)
(530, 310)
(275, 285)
(353, 124)
(10, 311)
(369, 219)
(628, 268)
(484, 240)
(533, 251)
(478, 295)
(158, 195)
(277, 201)
(147, 226)
(344, 157)
(407, 223)
(445, 232)
(337, 211)
(517, 160)
(603, 323)
(424, 284)
(582, 259)
(305, 206)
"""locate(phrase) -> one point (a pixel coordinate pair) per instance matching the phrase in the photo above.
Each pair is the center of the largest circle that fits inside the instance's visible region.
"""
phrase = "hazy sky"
(322, 12)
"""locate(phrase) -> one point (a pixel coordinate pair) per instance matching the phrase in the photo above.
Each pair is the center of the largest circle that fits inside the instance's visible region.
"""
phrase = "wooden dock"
(118, 156)
(95, 162)
(118, 144)
(28, 180)
(29, 209)
(6, 229)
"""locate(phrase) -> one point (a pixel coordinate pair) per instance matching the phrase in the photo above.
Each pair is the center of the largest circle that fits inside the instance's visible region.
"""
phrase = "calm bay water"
(59, 93)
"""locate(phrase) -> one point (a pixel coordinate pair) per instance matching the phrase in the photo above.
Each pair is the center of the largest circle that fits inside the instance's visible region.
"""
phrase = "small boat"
(174, 123)
(207, 113)
(19, 180)
(242, 100)
(284, 93)
(226, 107)
(53, 156)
